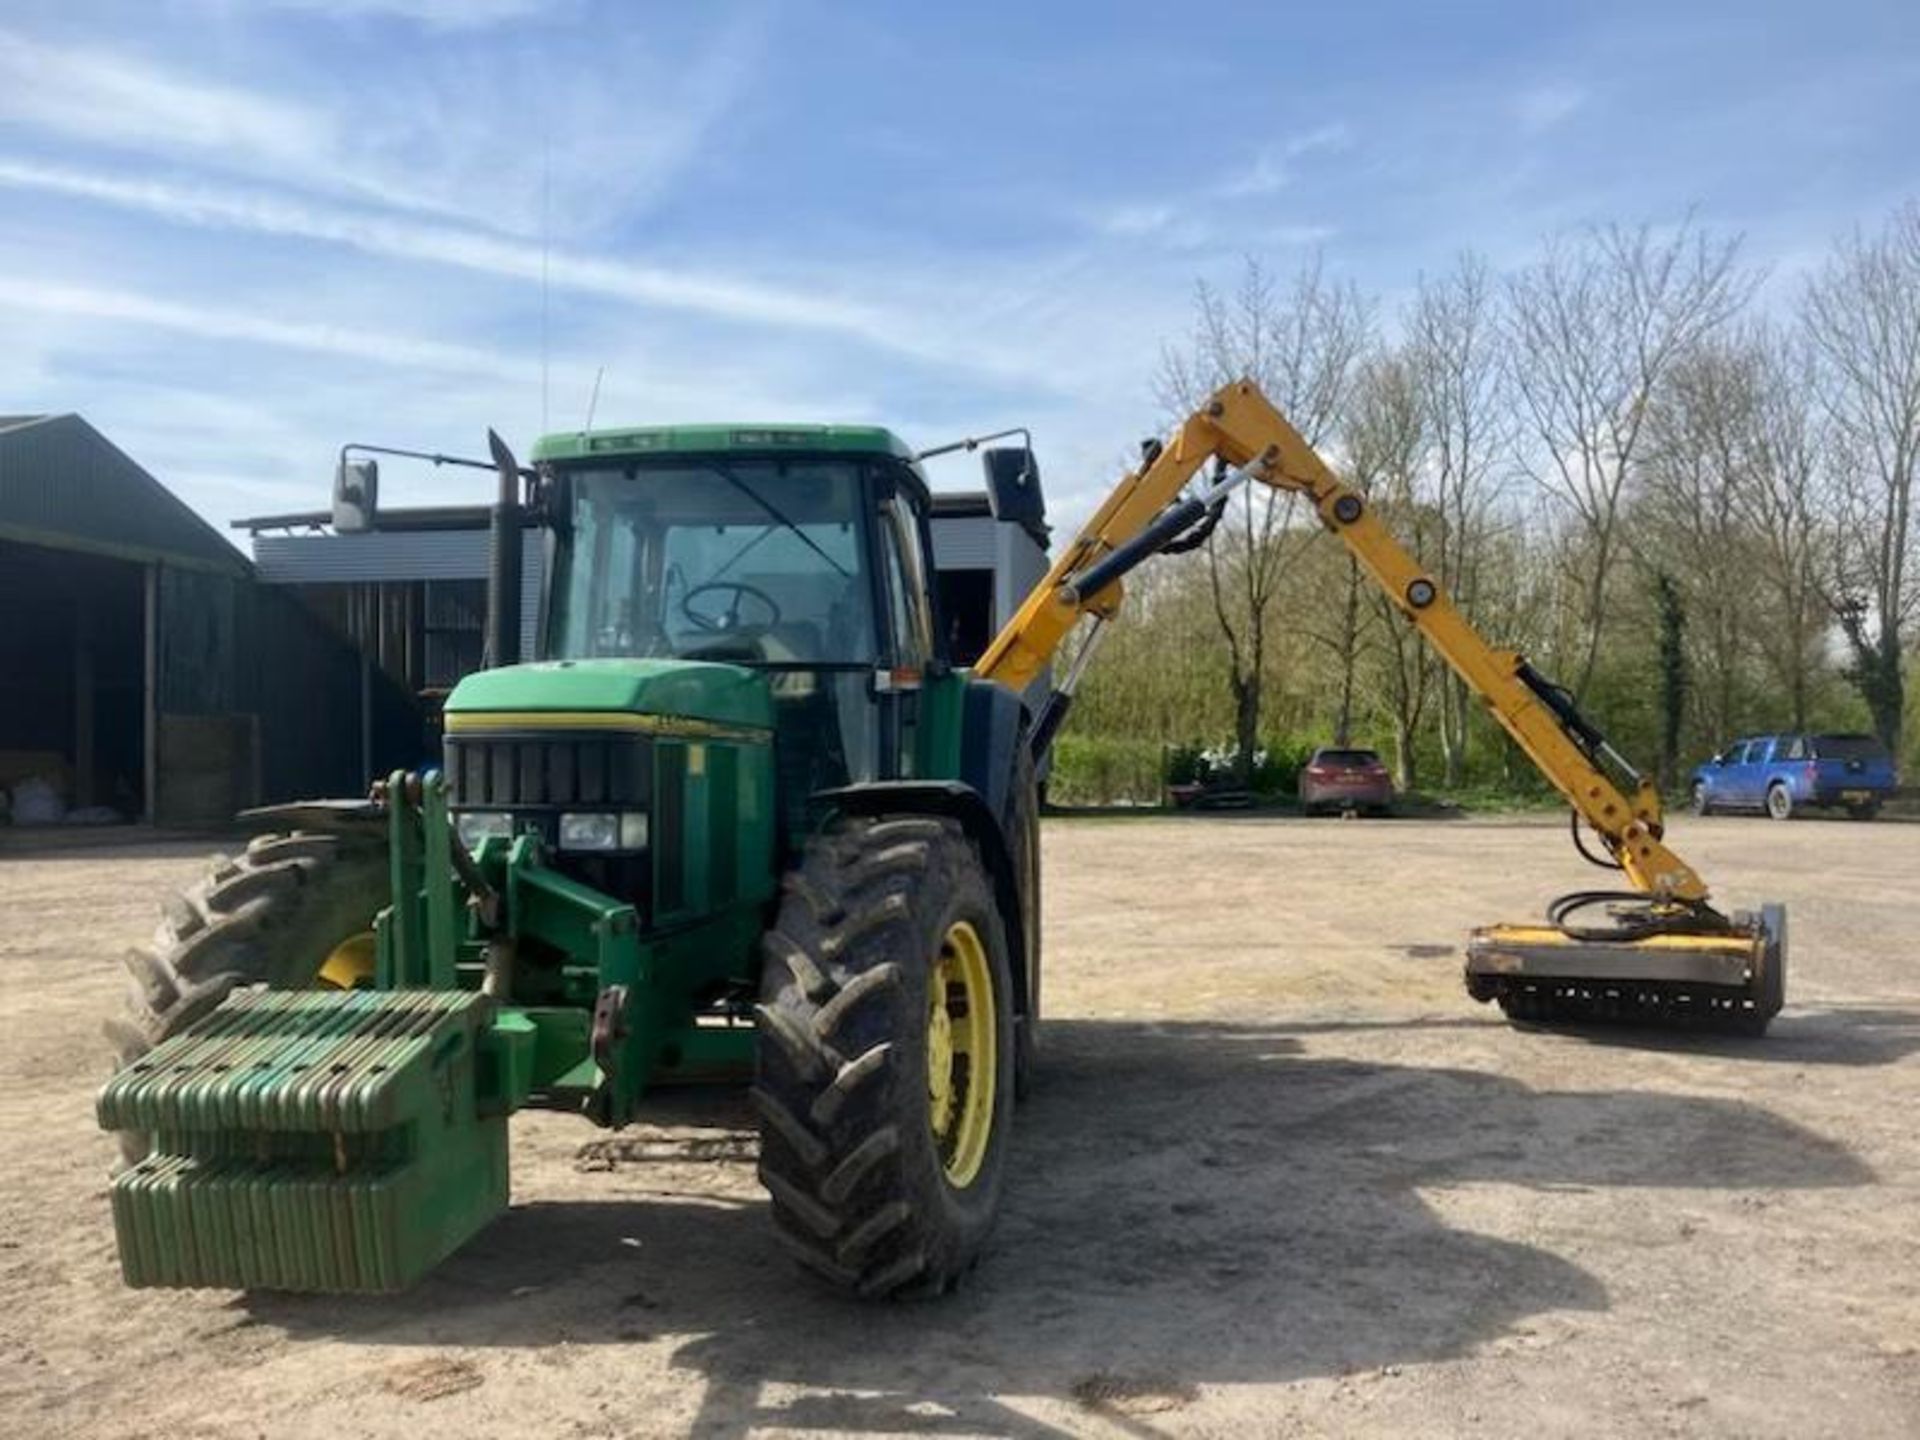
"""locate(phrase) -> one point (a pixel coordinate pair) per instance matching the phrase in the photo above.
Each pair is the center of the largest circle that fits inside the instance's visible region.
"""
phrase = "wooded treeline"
(1692, 508)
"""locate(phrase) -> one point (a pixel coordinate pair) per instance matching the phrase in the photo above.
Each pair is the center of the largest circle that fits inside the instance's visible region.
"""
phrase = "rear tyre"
(1779, 802)
(1702, 803)
(271, 916)
(884, 1082)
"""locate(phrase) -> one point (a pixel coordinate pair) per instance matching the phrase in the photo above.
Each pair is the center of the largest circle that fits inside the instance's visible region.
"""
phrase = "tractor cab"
(770, 555)
(798, 554)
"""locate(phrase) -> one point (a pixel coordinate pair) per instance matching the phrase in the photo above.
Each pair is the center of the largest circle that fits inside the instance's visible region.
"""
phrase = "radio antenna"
(593, 400)
(546, 248)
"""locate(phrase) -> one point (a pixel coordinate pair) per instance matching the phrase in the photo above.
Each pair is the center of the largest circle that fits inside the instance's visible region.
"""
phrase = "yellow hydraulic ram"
(1664, 955)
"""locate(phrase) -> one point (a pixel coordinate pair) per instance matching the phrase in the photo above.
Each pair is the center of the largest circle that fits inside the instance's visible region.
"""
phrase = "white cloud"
(1541, 107)
(925, 311)
(239, 411)
(420, 137)
(433, 14)
(716, 295)
(204, 322)
(112, 100)
(1196, 226)
(1135, 219)
(1264, 176)
(91, 95)
(587, 136)
(1272, 168)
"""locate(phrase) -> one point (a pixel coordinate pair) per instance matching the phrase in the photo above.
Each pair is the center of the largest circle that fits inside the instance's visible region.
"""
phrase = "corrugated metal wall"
(979, 542)
(964, 542)
(198, 635)
(399, 555)
(307, 692)
(259, 701)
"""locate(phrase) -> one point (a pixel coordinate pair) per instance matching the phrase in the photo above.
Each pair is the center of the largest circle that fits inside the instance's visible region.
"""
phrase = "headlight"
(589, 832)
(475, 826)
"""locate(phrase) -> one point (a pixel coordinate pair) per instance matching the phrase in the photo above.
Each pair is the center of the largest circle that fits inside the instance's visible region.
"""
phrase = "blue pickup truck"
(1783, 774)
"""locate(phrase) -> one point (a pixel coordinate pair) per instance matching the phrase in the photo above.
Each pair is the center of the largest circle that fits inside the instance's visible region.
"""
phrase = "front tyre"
(289, 912)
(1779, 802)
(884, 1081)
(1702, 801)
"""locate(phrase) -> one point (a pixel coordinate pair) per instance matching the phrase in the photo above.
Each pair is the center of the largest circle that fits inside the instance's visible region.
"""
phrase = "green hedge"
(1102, 770)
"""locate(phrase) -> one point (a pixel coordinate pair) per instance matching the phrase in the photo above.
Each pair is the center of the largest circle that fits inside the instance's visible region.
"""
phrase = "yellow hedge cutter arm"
(1665, 955)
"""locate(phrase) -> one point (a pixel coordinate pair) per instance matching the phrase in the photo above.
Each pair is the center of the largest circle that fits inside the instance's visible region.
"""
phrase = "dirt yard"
(1282, 1178)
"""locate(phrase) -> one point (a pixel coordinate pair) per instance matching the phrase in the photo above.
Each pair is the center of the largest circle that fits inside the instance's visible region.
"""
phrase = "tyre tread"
(835, 1090)
(265, 917)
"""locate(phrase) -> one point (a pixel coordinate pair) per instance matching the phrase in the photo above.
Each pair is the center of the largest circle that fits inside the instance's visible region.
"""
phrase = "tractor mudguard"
(993, 727)
(363, 815)
(957, 801)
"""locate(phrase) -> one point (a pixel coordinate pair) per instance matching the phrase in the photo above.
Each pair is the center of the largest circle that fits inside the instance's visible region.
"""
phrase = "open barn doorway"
(73, 684)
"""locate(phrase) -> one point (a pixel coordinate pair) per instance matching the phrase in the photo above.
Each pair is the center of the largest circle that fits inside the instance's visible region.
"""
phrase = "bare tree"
(1700, 457)
(1781, 504)
(1300, 345)
(1455, 350)
(1862, 317)
(1595, 326)
(1387, 442)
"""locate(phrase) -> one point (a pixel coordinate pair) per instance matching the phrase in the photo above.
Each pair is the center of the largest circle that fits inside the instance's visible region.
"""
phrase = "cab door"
(905, 667)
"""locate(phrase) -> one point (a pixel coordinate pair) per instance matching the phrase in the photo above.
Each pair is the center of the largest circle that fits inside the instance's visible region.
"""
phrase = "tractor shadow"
(1186, 1204)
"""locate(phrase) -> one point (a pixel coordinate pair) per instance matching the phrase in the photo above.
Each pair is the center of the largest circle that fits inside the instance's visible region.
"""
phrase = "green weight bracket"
(309, 1140)
(417, 937)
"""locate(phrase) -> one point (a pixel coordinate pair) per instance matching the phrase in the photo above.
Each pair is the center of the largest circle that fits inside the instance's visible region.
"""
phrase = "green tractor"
(741, 817)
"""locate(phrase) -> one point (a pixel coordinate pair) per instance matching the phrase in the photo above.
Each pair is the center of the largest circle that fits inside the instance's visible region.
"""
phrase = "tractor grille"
(494, 772)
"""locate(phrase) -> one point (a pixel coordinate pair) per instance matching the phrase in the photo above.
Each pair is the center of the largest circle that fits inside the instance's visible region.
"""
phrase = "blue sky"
(235, 233)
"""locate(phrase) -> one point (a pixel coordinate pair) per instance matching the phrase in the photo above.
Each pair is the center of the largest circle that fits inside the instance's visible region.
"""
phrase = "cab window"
(906, 588)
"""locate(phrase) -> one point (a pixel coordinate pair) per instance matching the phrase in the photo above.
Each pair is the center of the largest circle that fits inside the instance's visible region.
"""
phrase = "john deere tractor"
(740, 817)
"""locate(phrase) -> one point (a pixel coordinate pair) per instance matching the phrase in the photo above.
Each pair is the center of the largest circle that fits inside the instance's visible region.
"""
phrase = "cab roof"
(743, 439)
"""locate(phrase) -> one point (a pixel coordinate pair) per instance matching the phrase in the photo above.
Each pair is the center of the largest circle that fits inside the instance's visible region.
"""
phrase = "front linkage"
(350, 1140)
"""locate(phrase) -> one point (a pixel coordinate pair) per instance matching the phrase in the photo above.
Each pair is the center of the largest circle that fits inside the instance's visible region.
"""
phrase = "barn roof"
(66, 486)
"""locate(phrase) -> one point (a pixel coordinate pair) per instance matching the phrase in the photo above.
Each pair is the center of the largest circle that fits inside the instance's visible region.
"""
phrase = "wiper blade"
(767, 505)
(741, 553)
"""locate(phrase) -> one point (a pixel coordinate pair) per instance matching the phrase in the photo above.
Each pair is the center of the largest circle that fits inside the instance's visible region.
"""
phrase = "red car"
(1342, 778)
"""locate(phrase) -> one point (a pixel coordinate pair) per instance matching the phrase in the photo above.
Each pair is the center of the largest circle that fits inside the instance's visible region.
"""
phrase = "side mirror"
(1720, 760)
(356, 496)
(1013, 486)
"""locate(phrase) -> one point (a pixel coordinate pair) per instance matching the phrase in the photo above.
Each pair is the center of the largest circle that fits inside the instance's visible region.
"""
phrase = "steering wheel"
(728, 622)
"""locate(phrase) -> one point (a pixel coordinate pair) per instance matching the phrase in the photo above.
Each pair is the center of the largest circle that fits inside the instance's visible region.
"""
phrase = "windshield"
(754, 562)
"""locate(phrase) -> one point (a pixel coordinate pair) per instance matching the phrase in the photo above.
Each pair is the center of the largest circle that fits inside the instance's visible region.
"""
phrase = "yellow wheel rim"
(350, 964)
(961, 1059)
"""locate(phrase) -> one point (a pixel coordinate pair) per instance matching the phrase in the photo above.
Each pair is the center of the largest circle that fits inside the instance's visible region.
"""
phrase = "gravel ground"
(1281, 1178)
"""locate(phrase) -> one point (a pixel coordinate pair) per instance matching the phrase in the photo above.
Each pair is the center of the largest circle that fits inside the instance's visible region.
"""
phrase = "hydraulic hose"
(1634, 916)
(1604, 862)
